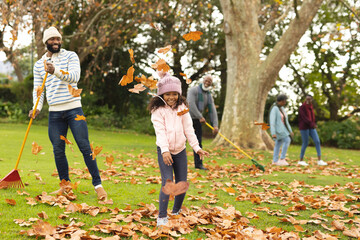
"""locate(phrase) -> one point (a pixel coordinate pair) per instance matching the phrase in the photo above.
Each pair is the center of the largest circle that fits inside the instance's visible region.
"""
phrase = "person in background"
(280, 130)
(307, 128)
(200, 98)
(63, 68)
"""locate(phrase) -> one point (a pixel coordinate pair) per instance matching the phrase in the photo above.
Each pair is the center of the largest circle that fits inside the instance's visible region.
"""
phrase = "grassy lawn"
(274, 198)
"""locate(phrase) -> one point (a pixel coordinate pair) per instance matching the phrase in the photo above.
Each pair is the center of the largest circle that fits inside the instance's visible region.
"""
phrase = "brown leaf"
(35, 148)
(43, 215)
(338, 225)
(171, 188)
(161, 65)
(128, 78)
(131, 52)
(164, 49)
(10, 201)
(42, 228)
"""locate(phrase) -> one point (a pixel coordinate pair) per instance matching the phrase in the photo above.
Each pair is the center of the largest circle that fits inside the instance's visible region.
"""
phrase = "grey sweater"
(192, 97)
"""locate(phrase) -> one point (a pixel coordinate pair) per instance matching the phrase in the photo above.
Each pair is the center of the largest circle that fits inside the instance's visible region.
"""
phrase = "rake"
(258, 165)
(13, 180)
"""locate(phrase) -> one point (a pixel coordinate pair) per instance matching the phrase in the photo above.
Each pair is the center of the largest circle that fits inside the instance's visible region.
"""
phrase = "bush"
(345, 134)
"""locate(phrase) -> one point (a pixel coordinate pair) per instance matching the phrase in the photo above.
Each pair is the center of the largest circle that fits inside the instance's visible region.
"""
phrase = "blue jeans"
(305, 141)
(58, 125)
(285, 142)
(179, 167)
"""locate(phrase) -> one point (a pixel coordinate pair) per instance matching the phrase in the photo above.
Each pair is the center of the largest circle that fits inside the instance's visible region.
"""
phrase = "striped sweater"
(67, 71)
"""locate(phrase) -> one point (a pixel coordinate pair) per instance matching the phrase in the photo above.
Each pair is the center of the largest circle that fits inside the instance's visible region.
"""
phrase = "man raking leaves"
(64, 101)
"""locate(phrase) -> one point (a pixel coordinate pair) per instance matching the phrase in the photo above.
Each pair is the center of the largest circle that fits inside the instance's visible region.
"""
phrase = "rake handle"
(207, 124)
(31, 120)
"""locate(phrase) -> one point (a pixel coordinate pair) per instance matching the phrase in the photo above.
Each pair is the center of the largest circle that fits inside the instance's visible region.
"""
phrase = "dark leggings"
(179, 167)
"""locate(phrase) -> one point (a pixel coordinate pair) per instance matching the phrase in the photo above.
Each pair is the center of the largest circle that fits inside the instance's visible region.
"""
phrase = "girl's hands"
(203, 153)
(167, 158)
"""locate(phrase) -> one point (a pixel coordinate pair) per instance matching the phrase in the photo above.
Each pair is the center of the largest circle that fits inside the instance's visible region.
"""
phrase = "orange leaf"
(299, 228)
(63, 72)
(186, 110)
(264, 126)
(65, 139)
(131, 52)
(148, 82)
(152, 191)
(164, 49)
(38, 91)
(35, 148)
(10, 201)
(161, 65)
(192, 36)
(95, 151)
(109, 159)
(128, 78)
(80, 117)
(74, 92)
(137, 88)
(43, 215)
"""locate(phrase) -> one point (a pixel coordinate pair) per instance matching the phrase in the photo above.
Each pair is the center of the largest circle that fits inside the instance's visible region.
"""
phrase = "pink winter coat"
(172, 129)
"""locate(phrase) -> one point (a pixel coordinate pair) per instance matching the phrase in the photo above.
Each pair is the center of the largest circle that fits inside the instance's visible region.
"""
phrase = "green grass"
(131, 150)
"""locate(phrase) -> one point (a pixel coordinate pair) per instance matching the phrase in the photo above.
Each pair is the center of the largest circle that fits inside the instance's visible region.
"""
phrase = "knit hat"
(168, 83)
(49, 33)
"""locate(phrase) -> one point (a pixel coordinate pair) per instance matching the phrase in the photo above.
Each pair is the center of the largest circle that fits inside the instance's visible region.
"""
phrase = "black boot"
(199, 165)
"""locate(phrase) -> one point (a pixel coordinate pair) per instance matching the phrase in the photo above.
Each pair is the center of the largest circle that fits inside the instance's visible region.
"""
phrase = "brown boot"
(102, 195)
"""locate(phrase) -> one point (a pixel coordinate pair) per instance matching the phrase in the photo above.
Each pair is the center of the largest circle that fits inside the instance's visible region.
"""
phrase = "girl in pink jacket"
(173, 125)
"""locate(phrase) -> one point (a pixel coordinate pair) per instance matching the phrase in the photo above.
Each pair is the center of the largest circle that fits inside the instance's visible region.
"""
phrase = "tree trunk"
(249, 79)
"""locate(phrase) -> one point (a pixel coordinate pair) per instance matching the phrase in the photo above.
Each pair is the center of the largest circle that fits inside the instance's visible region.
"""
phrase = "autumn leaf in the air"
(164, 49)
(35, 148)
(171, 188)
(38, 91)
(188, 80)
(67, 141)
(74, 92)
(137, 88)
(147, 82)
(131, 52)
(180, 113)
(196, 35)
(63, 72)
(95, 151)
(128, 78)
(80, 117)
(109, 159)
(264, 126)
(155, 26)
(161, 65)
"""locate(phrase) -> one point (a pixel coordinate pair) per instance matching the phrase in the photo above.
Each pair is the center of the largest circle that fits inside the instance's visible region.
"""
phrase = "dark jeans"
(58, 125)
(179, 167)
(198, 132)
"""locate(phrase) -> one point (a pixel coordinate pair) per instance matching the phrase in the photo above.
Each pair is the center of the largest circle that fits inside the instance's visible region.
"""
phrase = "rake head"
(258, 165)
(12, 180)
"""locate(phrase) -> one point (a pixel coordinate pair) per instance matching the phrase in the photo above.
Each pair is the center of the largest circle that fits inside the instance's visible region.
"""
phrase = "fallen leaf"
(171, 188)
(10, 201)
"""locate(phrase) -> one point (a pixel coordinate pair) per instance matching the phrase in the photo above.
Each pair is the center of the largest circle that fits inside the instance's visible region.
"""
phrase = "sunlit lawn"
(130, 148)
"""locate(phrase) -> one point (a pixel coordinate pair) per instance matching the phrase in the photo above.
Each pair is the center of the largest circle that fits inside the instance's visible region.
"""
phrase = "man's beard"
(51, 49)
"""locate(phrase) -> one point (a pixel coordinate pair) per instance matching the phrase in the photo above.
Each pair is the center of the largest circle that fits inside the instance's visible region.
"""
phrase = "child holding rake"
(173, 125)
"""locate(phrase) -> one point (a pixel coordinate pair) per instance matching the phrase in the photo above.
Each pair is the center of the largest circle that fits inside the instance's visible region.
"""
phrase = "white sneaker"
(284, 162)
(322, 163)
(302, 163)
(162, 221)
(176, 213)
